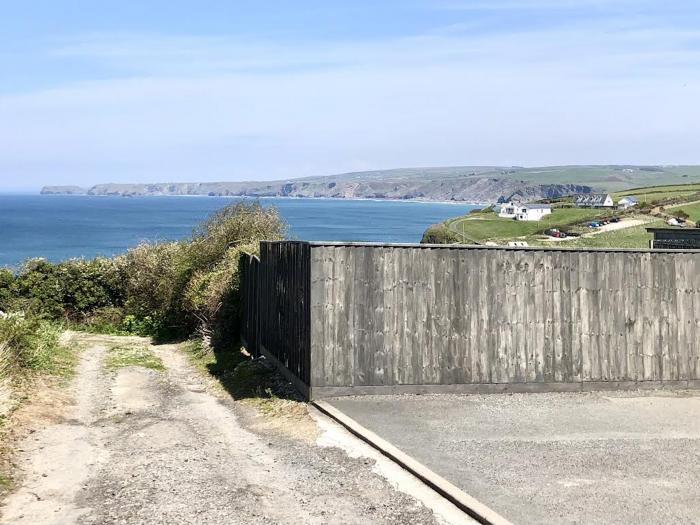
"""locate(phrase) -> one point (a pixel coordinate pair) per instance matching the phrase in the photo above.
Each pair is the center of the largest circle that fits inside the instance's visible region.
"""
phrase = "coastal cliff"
(460, 183)
(430, 184)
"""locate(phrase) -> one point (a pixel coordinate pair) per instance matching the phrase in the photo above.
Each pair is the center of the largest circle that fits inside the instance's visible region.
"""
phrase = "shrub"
(167, 290)
(71, 289)
(27, 343)
(235, 225)
(486, 210)
(439, 234)
(7, 279)
(154, 276)
(213, 297)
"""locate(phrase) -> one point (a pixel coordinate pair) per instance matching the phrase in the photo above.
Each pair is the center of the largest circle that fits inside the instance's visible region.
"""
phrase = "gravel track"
(141, 446)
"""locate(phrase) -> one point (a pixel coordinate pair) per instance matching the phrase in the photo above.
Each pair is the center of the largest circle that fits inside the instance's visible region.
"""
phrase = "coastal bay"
(60, 226)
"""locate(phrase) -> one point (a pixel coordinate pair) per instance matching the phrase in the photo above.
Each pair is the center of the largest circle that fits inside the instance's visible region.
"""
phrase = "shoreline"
(248, 197)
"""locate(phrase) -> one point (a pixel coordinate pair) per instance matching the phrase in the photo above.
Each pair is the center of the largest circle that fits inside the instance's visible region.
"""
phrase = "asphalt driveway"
(588, 458)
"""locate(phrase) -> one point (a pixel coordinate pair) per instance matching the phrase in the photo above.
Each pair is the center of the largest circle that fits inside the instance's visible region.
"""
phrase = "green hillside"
(607, 178)
(659, 202)
(491, 227)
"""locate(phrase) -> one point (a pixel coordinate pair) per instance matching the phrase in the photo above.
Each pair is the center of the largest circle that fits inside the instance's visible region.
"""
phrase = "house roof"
(537, 206)
(629, 199)
(591, 198)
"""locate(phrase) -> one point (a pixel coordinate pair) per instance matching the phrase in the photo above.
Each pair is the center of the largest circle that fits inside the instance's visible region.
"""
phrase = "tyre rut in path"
(142, 446)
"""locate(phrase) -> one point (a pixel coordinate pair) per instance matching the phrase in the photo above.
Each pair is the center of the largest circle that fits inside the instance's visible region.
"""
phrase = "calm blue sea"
(59, 227)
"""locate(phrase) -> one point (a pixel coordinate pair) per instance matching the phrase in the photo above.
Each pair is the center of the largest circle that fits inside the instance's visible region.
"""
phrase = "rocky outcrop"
(63, 190)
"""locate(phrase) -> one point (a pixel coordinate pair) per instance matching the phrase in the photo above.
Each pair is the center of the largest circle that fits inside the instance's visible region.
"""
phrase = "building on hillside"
(524, 212)
(627, 202)
(593, 200)
(675, 238)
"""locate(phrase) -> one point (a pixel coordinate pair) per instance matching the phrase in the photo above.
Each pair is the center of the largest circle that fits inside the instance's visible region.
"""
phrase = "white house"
(524, 212)
(594, 200)
(626, 202)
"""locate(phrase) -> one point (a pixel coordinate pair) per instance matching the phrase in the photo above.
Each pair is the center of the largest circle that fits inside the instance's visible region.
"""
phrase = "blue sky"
(229, 90)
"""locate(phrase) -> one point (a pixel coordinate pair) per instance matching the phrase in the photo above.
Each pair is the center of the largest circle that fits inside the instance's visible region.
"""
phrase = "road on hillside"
(163, 447)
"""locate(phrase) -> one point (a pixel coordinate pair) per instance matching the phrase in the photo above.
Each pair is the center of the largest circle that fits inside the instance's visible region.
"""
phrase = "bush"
(27, 343)
(213, 297)
(487, 210)
(439, 234)
(155, 275)
(166, 290)
(233, 226)
(7, 279)
(70, 290)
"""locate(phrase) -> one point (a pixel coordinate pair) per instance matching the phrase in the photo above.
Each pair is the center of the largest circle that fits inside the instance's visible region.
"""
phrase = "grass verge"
(34, 360)
(132, 355)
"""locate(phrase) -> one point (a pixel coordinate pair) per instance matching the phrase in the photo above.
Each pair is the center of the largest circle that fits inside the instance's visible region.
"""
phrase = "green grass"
(485, 227)
(132, 355)
(654, 193)
(634, 237)
(29, 345)
(5, 483)
(692, 209)
(606, 178)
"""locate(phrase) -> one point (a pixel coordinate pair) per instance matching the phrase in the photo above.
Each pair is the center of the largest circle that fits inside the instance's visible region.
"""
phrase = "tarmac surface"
(564, 458)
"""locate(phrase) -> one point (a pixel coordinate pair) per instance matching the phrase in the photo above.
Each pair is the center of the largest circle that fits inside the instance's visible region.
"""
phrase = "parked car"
(615, 219)
(554, 232)
(594, 225)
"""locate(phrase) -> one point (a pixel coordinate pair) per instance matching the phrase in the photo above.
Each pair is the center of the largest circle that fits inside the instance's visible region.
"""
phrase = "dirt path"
(622, 225)
(142, 446)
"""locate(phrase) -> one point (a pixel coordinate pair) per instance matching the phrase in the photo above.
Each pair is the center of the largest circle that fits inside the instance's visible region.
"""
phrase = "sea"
(58, 227)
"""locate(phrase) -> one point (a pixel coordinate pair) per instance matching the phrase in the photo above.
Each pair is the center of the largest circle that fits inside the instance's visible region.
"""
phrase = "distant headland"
(461, 184)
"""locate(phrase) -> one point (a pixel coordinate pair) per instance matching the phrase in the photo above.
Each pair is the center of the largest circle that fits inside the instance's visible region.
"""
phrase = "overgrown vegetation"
(29, 347)
(440, 234)
(28, 344)
(167, 290)
(240, 376)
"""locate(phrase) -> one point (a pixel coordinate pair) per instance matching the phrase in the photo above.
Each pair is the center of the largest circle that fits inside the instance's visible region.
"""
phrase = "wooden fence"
(349, 318)
(276, 307)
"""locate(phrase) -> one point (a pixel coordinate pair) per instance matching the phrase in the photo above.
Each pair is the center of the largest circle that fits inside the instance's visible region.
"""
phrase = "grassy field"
(490, 227)
(634, 237)
(692, 209)
(608, 178)
(654, 193)
(484, 227)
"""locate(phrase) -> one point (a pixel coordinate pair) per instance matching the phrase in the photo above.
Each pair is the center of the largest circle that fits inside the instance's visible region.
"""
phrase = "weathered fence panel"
(353, 318)
(249, 268)
(277, 307)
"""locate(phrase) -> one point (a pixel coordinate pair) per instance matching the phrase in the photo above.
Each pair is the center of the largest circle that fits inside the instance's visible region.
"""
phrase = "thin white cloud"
(221, 108)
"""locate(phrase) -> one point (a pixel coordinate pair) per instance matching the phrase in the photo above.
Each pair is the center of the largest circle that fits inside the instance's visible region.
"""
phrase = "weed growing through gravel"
(134, 355)
(242, 377)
